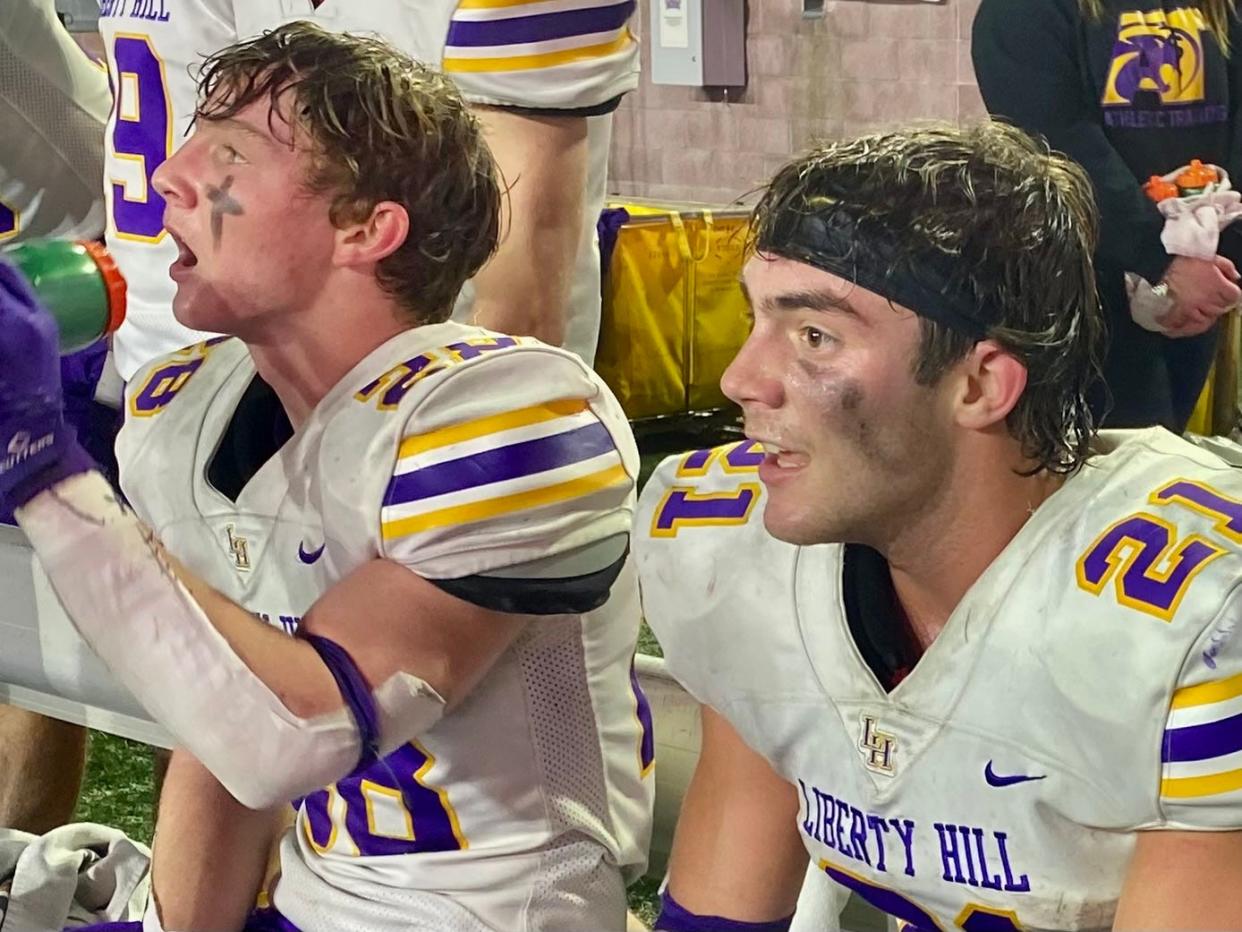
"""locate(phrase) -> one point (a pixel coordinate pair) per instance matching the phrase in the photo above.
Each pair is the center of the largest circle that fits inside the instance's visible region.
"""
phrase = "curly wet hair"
(380, 127)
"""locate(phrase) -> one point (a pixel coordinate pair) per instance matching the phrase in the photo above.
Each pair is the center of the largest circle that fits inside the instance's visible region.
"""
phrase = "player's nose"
(173, 179)
(754, 375)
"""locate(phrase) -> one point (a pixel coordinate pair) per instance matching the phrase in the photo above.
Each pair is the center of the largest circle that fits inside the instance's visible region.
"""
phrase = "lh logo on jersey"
(879, 748)
(239, 549)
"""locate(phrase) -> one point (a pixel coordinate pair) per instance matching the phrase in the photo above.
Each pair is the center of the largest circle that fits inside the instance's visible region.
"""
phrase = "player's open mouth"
(778, 461)
(185, 256)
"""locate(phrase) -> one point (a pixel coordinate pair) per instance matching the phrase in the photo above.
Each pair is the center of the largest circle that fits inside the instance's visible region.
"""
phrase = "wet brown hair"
(381, 127)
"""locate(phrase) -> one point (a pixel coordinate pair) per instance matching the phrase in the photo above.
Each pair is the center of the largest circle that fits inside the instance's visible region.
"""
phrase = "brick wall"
(863, 66)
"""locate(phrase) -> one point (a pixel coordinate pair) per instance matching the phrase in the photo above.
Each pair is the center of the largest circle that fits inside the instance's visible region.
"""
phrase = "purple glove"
(37, 448)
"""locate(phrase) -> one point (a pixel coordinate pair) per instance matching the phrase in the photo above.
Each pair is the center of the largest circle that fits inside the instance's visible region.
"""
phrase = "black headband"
(832, 241)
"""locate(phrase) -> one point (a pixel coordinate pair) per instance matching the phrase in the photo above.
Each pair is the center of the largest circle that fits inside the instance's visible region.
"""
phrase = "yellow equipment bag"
(1217, 409)
(673, 315)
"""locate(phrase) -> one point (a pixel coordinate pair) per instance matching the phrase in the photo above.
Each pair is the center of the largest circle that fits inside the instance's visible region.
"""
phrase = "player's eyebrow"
(813, 301)
(245, 128)
(806, 300)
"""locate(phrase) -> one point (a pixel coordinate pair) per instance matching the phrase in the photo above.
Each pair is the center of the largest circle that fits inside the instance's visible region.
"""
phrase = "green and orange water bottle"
(78, 282)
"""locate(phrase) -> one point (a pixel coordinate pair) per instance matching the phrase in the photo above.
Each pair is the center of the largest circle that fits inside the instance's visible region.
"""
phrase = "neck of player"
(935, 559)
(311, 351)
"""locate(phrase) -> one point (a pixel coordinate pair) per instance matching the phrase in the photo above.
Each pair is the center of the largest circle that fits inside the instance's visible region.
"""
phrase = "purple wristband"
(355, 692)
(676, 918)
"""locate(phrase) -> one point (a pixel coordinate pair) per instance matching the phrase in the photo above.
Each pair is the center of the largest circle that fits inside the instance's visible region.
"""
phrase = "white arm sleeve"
(127, 603)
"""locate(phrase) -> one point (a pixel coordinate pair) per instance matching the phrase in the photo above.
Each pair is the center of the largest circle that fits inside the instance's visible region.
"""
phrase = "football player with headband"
(976, 662)
(378, 564)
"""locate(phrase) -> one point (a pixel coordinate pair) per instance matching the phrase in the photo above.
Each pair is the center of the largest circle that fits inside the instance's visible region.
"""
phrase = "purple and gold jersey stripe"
(500, 465)
(1215, 784)
(613, 477)
(646, 726)
(1207, 693)
(1202, 746)
(509, 4)
(1201, 742)
(528, 35)
(465, 33)
(459, 433)
(530, 62)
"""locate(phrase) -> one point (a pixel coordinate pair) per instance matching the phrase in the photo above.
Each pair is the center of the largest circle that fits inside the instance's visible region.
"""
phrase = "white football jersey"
(53, 104)
(1087, 687)
(467, 457)
(570, 55)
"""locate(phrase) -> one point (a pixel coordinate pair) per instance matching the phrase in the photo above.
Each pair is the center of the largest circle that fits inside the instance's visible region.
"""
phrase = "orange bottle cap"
(1197, 175)
(113, 282)
(1158, 189)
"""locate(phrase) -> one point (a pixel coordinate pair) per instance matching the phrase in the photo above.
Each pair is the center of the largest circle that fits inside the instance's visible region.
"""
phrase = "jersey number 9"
(141, 137)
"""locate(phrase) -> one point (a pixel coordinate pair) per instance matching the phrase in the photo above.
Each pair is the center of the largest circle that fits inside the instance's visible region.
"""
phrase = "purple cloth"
(609, 228)
(261, 920)
(38, 448)
(268, 920)
(541, 27)
(676, 918)
(96, 424)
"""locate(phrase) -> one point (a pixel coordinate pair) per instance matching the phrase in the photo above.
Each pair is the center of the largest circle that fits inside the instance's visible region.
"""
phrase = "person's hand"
(37, 448)
(1202, 290)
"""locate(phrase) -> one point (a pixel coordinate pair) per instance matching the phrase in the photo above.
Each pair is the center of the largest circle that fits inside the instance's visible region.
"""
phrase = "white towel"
(1191, 228)
(74, 875)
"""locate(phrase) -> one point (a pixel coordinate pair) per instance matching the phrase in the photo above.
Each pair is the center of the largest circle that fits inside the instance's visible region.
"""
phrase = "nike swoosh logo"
(309, 558)
(995, 779)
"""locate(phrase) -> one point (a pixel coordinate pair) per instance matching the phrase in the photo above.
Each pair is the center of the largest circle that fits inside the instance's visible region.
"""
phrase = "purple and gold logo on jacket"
(1160, 52)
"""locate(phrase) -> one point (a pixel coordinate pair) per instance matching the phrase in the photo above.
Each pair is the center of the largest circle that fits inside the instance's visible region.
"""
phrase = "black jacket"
(1136, 93)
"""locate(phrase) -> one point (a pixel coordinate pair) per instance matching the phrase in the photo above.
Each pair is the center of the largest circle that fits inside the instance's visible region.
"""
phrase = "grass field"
(119, 789)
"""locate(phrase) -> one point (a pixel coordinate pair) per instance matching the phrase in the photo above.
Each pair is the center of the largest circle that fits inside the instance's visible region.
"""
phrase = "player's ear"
(991, 382)
(369, 240)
